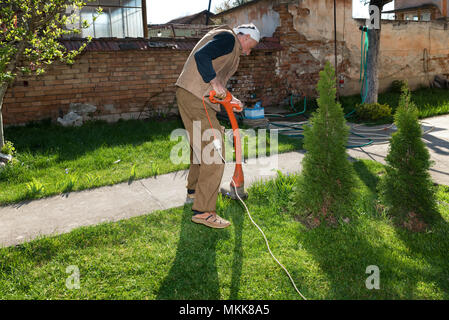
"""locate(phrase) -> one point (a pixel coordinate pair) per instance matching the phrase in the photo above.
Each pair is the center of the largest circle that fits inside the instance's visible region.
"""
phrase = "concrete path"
(60, 214)
(437, 140)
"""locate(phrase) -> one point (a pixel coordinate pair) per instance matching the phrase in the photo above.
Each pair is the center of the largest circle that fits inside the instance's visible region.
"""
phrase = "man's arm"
(222, 44)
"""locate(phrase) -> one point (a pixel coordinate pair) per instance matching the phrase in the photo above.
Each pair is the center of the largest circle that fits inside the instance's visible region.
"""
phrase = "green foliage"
(372, 111)
(407, 187)
(29, 32)
(8, 148)
(326, 185)
(90, 180)
(429, 101)
(154, 169)
(398, 86)
(34, 188)
(228, 4)
(70, 184)
(132, 175)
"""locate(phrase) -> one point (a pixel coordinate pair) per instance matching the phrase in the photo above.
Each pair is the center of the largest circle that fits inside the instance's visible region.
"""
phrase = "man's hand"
(218, 88)
(237, 101)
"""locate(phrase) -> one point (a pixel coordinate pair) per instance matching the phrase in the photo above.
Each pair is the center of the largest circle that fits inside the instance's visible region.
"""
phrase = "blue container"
(255, 113)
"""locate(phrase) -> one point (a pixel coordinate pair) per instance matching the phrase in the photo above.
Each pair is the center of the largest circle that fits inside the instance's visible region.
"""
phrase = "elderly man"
(211, 63)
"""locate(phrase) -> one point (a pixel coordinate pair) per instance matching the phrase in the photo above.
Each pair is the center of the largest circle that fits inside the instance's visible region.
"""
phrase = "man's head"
(249, 37)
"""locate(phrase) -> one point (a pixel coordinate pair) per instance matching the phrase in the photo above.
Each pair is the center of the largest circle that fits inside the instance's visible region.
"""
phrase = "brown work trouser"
(204, 178)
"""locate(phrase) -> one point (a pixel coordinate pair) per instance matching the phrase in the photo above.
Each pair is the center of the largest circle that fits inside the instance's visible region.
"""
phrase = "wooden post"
(144, 19)
(335, 45)
(208, 12)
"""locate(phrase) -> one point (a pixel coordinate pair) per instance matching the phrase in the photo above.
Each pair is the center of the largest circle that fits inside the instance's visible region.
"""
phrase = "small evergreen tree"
(407, 188)
(326, 186)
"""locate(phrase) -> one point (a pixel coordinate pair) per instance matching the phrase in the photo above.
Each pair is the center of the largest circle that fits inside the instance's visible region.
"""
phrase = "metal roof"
(124, 44)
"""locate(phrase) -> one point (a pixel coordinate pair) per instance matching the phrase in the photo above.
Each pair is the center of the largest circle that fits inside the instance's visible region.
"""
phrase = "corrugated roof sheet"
(123, 44)
(188, 19)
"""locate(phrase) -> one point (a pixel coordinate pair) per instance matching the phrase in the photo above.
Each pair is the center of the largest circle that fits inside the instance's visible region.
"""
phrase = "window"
(120, 18)
(426, 16)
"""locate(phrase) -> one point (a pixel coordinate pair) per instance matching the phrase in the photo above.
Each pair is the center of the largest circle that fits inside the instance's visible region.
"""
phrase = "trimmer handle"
(226, 102)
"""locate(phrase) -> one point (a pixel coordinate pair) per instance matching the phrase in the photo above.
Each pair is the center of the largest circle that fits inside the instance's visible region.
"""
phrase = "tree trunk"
(373, 65)
(3, 88)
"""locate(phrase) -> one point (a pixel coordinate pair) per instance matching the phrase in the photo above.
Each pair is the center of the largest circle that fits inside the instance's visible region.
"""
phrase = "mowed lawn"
(163, 255)
(52, 159)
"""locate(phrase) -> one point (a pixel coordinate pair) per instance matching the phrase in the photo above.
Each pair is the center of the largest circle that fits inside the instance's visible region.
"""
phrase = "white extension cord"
(217, 145)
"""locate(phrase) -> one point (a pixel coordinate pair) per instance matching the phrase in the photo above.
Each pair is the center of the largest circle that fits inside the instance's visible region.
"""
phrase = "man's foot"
(211, 219)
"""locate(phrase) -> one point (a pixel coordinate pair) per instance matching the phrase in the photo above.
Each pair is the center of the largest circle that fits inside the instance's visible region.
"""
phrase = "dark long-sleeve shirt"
(222, 44)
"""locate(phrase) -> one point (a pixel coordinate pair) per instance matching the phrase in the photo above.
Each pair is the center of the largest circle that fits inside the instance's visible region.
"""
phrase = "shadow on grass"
(345, 253)
(412, 265)
(193, 274)
(73, 142)
(237, 259)
(432, 247)
(367, 177)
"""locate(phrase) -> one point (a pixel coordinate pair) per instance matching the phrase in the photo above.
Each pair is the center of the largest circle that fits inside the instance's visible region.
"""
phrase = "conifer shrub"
(325, 189)
(398, 86)
(407, 188)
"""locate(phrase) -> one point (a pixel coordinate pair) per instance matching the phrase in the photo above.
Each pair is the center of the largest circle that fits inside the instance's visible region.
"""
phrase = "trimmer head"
(230, 193)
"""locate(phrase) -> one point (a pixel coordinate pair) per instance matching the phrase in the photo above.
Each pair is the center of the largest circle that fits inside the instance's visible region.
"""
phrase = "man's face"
(247, 43)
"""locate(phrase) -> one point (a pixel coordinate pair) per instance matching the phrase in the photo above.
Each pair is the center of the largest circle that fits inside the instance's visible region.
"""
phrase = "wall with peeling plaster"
(411, 50)
(262, 15)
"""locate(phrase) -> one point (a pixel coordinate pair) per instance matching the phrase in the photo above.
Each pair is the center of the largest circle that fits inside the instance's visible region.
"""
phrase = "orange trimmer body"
(238, 178)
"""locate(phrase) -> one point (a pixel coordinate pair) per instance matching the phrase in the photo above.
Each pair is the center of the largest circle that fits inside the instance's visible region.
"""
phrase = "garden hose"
(295, 129)
(293, 107)
(364, 47)
(376, 137)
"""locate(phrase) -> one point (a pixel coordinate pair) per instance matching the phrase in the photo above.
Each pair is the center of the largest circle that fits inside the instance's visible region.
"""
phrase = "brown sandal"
(212, 220)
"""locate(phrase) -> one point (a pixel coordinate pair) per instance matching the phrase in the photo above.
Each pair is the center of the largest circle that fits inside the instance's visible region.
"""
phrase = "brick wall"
(297, 66)
(124, 84)
(119, 84)
(257, 74)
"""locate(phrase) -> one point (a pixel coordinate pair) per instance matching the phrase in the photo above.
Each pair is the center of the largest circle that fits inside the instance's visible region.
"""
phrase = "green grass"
(430, 102)
(52, 159)
(164, 256)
